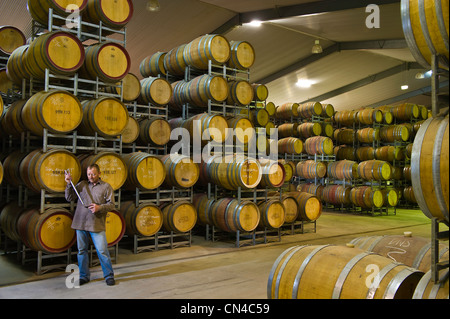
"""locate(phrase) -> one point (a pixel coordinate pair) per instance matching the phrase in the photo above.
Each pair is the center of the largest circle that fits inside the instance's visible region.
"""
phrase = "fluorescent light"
(304, 83)
(254, 23)
(404, 87)
(429, 73)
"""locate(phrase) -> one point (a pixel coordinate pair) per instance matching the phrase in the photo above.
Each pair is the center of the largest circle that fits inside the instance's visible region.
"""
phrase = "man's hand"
(94, 208)
(67, 177)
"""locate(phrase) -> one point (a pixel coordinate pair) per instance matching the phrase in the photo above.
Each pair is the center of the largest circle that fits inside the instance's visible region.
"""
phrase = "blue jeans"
(101, 245)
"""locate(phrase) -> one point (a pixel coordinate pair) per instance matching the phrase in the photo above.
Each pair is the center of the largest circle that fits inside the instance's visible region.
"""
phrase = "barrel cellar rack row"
(376, 144)
(225, 108)
(73, 142)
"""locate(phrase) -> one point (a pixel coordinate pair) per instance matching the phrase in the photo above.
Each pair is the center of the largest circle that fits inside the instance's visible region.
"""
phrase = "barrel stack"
(56, 127)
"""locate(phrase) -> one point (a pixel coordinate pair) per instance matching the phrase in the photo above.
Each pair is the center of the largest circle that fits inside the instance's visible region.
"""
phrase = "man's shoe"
(110, 282)
(83, 281)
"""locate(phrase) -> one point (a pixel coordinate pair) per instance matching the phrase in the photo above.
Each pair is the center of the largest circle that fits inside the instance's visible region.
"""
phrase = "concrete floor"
(206, 270)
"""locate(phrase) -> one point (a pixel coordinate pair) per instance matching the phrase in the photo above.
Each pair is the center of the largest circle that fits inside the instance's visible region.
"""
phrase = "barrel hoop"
(395, 283)
(375, 242)
(424, 25)
(441, 24)
(436, 171)
(437, 286)
(344, 273)
(281, 270)
(409, 35)
(421, 286)
(299, 274)
(373, 289)
(415, 168)
(419, 257)
(272, 271)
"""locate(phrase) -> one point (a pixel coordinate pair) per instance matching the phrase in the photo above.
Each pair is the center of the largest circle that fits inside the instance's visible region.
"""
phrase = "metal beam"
(299, 64)
(368, 80)
(408, 95)
(374, 45)
(279, 12)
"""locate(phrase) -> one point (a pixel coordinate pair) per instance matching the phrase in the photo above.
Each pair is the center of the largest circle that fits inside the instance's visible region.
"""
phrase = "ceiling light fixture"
(304, 83)
(255, 23)
(152, 5)
(404, 87)
(317, 48)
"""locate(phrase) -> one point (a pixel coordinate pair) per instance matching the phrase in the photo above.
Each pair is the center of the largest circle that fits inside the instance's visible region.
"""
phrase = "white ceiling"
(283, 45)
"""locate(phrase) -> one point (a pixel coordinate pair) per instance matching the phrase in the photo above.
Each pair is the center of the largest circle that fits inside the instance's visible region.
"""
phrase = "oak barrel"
(369, 116)
(113, 14)
(58, 111)
(286, 111)
(290, 208)
(154, 131)
(49, 232)
(413, 251)
(11, 122)
(231, 216)
(9, 215)
(145, 171)
(343, 169)
(10, 39)
(113, 169)
(105, 116)
(298, 274)
(157, 91)
(174, 61)
(39, 170)
(375, 170)
(17, 68)
(309, 206)
(425, 25)
(308, 129)
(311, 169)
(290, 145)
(261, 92)
(273, 173)
(207, 127)
(114, 227)
(108, 61)
(181, 171)
(145, 220)
(243, 129)
(336, 194)
(320, 145)
(240, 93)
(430, 168)
(242, 55)
(235, 171)
(60, 52)
(366, 197)
(212, 47)
(206, 87)
(203, 206)
(153, 65)
(427, 289)
(39, 9)
(310, 109)
(179, 217)
(131, 87)
(273, 214)
(131, 132)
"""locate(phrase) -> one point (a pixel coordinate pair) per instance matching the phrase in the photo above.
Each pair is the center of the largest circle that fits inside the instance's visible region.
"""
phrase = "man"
(89, 221)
